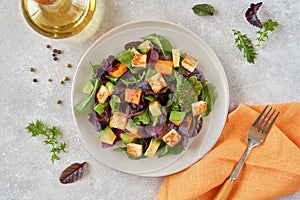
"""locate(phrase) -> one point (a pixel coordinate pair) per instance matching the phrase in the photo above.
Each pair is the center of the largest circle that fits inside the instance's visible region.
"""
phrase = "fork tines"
(263, 123)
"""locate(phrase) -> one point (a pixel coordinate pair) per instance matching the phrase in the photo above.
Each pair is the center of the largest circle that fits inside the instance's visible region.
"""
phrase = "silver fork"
(256, 135)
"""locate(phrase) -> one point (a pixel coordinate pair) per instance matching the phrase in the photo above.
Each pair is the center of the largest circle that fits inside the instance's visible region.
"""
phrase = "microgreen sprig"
(39, 128)
(268, 27)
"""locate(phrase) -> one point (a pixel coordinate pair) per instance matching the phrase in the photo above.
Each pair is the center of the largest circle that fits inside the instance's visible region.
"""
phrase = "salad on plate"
(147, 100)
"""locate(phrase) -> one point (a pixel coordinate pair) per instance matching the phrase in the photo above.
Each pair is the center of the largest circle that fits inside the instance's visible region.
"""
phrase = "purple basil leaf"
(72, 173)
(251, 14)
(152, 57)
(134, 44)
(154, 131)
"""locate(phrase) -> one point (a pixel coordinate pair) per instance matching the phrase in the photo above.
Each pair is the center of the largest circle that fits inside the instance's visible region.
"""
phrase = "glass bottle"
(59, 18)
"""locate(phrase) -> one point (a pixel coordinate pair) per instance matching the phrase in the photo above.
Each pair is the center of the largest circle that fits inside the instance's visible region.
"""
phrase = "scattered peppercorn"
(62, 82)
(31, 69)
(50, 79)
(53, 54)
(55, 58)
(68, 65)
(59, 102)
(48, 46)
(66, 78)
(58, 51)
(34, 80)
(54, 50)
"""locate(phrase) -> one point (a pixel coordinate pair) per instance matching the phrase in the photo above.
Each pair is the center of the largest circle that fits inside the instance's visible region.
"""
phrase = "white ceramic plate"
(110, 44)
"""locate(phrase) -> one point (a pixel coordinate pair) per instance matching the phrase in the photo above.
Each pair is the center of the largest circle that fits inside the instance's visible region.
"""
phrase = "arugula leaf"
(86, 104)
(114, 103)
(39, 128)
(268, 26)
(142, 118)
(161, 42)
(245, 45)
(93, 68)
(134, 80)
(203, 9)
(114, 80)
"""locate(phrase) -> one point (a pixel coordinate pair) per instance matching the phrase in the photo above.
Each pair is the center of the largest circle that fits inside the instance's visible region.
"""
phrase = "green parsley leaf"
(39, 128)
(268, 27)
(203, 9)
(244, 44)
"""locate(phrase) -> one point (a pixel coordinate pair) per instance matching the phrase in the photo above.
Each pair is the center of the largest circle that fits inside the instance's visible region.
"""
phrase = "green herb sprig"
(244, 44)
(268, 27)
(39, 128)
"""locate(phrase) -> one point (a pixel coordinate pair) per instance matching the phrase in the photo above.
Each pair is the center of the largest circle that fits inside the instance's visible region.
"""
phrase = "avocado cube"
(176, 117)
(176, 58)
(110, 87)
(126, 138)
(107, 136)
(99, 108)
(152, 148)
(144, 47)
(155, 108)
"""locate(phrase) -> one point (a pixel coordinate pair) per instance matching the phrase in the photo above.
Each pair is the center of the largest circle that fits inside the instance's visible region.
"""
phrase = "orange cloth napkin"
(271, 170)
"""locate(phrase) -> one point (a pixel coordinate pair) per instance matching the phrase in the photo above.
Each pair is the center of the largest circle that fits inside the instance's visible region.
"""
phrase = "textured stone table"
(27, 173)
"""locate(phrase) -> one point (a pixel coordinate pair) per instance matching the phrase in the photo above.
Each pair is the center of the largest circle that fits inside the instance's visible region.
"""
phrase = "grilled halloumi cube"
(198, 108)
(172, 138)
(157, 82)
(133, 96)
(102, 94)
(189, 63)
(134, 150)
(132, 129)
(118, 120)
(139, 60)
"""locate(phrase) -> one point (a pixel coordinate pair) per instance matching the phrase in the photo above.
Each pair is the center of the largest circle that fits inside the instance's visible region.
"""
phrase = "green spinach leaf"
(161, 42)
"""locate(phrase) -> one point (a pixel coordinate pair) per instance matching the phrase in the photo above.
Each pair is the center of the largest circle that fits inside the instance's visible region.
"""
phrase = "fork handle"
(225, 190)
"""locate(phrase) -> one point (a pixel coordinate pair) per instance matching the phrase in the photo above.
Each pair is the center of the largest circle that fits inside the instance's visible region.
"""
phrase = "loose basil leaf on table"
(203, 9)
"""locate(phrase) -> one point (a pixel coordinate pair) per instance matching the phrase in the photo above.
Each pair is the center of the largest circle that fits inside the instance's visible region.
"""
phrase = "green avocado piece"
(144, 47)
(176, 117)
(152, 148)
(110, 87)
(107, 136)
(126, 138)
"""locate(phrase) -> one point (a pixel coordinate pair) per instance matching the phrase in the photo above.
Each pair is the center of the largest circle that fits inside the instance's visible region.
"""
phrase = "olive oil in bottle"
(58, 18)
